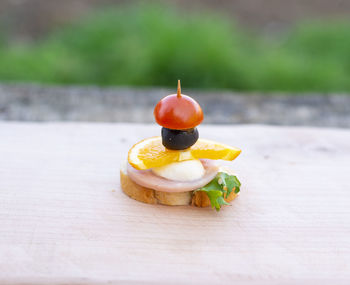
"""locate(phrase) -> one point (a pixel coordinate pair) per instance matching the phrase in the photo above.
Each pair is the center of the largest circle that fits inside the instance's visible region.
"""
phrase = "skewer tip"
(178, 88)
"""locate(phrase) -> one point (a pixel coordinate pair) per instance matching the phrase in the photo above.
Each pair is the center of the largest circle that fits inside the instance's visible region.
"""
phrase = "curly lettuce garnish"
(220, 188)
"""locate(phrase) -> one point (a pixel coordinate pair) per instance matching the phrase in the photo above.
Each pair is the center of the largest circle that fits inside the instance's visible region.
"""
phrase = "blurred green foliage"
(152, 45)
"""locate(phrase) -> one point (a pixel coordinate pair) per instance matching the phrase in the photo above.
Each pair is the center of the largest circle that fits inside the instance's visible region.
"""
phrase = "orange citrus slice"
(151, 153)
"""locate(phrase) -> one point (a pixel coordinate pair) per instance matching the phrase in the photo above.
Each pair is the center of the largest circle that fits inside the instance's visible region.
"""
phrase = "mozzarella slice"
(148, 179)
(187, 170)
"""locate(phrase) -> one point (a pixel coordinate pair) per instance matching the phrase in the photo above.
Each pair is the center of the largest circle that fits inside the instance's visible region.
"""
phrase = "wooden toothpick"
(178, 89)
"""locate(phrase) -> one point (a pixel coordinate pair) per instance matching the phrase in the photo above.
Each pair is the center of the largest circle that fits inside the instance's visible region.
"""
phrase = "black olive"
(179, 139)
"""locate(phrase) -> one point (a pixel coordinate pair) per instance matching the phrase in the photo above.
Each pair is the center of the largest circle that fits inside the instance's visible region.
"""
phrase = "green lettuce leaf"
(219, 188)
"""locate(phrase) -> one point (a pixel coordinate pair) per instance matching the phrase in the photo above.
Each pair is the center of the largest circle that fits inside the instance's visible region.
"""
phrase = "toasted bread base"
(150, 196)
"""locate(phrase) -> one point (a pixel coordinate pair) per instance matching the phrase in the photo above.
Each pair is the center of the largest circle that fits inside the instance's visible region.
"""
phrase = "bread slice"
(150, 196)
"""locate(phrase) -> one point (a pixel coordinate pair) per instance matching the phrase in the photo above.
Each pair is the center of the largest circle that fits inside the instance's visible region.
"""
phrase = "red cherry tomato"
(178, 112)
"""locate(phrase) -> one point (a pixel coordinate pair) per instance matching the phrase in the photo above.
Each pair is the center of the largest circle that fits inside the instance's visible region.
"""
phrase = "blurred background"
(240, 54)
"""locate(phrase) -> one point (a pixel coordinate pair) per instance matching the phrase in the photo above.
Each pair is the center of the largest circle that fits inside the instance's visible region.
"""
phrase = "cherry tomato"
(178, 112)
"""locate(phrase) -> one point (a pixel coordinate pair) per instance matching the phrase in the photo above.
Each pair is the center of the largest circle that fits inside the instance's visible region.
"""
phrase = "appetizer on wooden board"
(179, 168)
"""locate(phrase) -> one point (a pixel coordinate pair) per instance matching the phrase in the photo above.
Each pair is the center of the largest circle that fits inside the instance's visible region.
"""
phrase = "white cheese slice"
(181, 171)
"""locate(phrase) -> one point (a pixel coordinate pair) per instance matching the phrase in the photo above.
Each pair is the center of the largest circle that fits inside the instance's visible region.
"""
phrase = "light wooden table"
(64, 219)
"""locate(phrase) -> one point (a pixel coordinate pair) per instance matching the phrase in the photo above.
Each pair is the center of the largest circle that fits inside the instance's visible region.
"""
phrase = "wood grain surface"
(64, 219)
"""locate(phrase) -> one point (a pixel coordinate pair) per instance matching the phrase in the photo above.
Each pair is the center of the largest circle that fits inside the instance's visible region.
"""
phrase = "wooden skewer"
(178, 89)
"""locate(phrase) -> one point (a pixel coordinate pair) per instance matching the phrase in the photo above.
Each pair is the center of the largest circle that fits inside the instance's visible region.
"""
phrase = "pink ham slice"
(148, 179)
